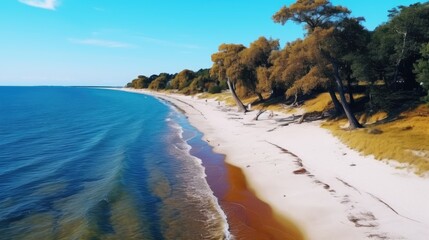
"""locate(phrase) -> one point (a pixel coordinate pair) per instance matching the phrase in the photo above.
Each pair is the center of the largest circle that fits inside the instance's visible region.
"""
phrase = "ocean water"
(84, 163)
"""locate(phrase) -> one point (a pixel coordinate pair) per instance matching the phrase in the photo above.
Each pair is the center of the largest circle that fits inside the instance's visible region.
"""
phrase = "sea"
(90, 163)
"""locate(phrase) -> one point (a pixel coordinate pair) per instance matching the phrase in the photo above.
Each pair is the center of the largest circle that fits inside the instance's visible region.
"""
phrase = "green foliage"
(395, 46)
(215, 89)
(421, 68)
(349, 45)
(378, 96)
(160, 82)
(186, 81)
(202, 81)
(139, 83)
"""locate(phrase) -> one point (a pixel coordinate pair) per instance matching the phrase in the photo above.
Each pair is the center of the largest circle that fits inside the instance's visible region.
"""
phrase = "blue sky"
(109, 42)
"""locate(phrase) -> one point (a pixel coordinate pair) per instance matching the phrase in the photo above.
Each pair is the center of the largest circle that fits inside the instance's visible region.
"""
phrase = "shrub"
(215, 89)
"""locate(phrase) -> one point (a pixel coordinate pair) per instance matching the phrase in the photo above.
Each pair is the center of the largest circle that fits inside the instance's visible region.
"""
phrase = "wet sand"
(248, 216)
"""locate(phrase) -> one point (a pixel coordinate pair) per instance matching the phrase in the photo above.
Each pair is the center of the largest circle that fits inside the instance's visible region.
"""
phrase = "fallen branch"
(306, 117)
(259, 114)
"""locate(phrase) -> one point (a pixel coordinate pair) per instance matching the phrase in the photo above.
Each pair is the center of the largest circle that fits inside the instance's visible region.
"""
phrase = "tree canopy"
(314, 13)
(396, 45)
(337, 54)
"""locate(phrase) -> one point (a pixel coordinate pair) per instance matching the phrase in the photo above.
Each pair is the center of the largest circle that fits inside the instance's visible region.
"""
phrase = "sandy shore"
(305, 174)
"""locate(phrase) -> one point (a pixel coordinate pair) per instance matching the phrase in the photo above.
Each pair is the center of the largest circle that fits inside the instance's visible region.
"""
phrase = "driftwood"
(259, 114)
(301, 119)
(306, 117)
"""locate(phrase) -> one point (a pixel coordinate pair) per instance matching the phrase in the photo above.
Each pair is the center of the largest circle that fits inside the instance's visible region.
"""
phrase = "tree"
(349, 46)
(145, 81)
(226, 65)
(203, 82)
(256, 63)
(421, 68)
(137, 83)
(160, 82)
(295, 67)
(140, 82)
(314, 13)
(279, 77)
(395, 45)
(182, 80)
(320, 19)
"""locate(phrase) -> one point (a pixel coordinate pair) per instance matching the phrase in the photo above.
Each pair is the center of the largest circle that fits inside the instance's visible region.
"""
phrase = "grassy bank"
(404, 138)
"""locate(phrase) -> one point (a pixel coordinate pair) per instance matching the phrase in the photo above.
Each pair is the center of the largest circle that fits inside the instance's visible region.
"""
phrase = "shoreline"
(248, 217)
(308, 176)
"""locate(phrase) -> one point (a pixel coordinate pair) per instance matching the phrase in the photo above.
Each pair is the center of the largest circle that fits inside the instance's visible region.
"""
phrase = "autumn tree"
(226, 65)
(140, 82)
(314, 13)
(256, 63)
(320, 19)
(182, 80)
(160, 82)
(277, 76)
(135, 83)
(300, 69)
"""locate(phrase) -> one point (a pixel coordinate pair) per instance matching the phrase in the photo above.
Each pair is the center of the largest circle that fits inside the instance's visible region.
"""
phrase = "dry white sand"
(340, 195)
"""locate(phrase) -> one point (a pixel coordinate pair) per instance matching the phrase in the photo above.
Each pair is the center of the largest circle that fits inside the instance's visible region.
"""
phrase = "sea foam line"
(174, 115)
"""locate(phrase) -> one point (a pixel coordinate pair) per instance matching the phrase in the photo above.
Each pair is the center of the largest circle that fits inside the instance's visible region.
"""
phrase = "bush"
(215, 89)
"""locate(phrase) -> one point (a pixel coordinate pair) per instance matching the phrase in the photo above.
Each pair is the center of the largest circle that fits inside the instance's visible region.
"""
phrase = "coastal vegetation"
(377, 80)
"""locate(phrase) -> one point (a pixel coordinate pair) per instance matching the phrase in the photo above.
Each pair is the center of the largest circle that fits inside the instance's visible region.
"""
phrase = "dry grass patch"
(405, 140)
(374, 118)
(221, 97)
(320, 103)
(323, 102)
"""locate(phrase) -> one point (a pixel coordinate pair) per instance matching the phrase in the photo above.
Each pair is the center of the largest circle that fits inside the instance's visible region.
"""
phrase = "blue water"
(82, 163)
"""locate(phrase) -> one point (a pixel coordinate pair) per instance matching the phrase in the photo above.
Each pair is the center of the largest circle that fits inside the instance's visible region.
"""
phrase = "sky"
(110, 42)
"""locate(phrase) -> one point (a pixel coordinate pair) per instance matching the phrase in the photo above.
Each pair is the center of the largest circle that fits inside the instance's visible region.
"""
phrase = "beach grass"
(320, 103)
(323, 102)
(405, 139)
(221, 97)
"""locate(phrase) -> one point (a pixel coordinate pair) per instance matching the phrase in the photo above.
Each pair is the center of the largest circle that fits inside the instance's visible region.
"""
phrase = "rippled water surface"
(80, 163)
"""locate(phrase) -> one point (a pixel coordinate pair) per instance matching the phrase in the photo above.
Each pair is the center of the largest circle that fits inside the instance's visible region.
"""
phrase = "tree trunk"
(349, 90)
(259, 114)
(398, 62)
(240, 105)
(354, 123)
(337, 104)
(260, 97)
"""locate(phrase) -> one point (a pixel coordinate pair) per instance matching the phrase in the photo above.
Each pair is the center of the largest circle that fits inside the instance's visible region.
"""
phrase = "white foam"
(197, 188)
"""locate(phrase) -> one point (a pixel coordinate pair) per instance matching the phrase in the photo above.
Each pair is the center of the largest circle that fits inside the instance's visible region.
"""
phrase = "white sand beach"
(307, 175)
